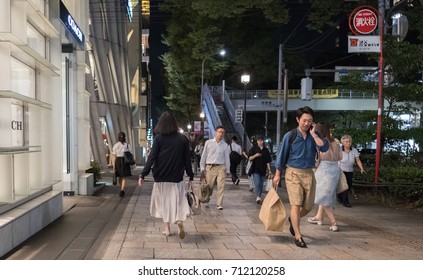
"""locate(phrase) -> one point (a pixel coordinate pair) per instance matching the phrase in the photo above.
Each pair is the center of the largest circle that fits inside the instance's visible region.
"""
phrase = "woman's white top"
(348, 159)
(119, 149)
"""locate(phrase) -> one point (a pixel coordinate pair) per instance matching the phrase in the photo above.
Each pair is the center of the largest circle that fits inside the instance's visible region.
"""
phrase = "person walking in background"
(198, 150)
(261, 158)
(122, 170)
(170, 156)
(327, 178)
(245, 154)
(215, 165)
(106, 151)
(297, 156)
(350, 156)
(235, 158)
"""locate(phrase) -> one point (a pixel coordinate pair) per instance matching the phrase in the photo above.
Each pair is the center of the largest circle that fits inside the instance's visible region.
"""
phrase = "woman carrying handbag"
(260, 156)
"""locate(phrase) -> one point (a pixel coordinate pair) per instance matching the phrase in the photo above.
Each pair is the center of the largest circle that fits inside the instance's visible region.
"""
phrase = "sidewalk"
(107, 227)
(367, 232)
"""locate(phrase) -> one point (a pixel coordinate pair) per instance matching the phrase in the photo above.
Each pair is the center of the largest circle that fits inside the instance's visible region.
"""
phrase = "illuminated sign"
(71, 25)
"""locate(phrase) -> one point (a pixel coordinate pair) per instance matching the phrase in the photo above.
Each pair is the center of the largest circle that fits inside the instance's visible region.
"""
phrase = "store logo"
(71, 25)
(75, 28)
(17, 125)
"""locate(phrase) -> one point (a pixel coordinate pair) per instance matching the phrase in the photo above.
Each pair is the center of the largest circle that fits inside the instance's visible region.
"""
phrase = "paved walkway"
(366, 232)
(107, 227)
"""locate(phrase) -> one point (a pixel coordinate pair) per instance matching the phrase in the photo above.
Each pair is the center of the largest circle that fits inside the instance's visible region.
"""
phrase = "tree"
(199, 28)
(252, 30)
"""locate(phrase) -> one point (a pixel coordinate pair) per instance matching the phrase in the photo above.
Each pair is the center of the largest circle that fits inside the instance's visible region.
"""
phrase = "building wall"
(111, 110)
(44, 114)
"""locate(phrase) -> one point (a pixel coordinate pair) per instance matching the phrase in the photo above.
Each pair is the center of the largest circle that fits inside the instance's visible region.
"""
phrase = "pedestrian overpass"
(268, 101)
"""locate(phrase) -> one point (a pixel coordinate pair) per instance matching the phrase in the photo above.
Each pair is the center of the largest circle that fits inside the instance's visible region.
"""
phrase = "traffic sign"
(365, 21)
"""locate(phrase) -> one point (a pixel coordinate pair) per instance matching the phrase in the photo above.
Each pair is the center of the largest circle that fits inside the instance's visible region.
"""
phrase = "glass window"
(36, 40)
(23, 78)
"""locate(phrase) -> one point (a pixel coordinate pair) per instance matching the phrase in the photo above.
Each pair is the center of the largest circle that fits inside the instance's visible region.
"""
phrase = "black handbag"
(128, 157)
(193, 202)
(114, 178)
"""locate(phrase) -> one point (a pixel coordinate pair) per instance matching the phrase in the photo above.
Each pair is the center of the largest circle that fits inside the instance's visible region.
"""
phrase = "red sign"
(365, 21)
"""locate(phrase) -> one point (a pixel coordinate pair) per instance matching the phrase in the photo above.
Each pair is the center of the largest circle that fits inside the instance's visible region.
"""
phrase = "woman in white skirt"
(169, 158)
(327, 178)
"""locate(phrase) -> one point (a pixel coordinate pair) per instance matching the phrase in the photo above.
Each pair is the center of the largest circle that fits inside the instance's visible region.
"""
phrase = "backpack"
(292, 137)
(234, 157)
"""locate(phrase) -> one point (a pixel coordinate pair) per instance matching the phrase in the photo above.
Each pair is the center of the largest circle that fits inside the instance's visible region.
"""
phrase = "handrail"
(296, 93)
(210, 111)
(239, 128)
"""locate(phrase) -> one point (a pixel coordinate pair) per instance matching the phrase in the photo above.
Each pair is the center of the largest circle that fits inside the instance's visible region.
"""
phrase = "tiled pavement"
(107, 227)
(367, 232)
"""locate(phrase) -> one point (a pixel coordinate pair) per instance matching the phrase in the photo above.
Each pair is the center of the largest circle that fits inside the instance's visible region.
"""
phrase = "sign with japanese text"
(359, 44)
(365, 21)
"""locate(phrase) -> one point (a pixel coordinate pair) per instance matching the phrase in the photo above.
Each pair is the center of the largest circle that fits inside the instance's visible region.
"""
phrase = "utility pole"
(278, 116)
(285, 101)
(381, 6)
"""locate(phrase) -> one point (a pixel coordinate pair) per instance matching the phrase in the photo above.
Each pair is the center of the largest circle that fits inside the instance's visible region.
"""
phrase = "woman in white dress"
(169, 158)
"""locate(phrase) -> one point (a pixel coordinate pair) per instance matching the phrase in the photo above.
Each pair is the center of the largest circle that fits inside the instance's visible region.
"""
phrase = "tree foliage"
(251, 31)
(198, 29)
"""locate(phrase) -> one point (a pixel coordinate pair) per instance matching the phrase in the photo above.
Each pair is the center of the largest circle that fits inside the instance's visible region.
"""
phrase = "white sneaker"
(258, 200)
(219, 207)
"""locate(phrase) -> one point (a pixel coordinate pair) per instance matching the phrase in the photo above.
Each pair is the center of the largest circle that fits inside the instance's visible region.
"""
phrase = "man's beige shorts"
(301, 187)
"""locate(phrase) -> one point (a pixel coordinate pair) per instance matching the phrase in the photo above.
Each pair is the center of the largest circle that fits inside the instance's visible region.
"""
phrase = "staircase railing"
(230, 109)
(210, 110)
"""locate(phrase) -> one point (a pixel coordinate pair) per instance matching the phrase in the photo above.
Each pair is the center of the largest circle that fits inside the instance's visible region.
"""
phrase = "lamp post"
(202, 115)
(189, 127)
(222, 53)
(245, 79)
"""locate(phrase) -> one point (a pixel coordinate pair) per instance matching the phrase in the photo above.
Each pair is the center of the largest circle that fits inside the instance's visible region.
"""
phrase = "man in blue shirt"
(297, 156)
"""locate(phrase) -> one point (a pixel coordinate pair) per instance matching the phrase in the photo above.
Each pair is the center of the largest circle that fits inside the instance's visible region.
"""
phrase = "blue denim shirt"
(301, 154)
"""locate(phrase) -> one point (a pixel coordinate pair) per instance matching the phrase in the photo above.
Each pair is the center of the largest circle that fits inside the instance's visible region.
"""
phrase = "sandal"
(314, 220)
(181, 230)
(334, 227)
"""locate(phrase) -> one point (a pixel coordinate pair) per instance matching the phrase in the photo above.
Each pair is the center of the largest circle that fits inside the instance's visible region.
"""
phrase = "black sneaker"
(122, 193)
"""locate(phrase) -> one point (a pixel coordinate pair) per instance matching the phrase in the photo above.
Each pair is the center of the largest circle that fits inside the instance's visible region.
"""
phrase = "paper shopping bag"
(272, 212)
(342, 183)
(202, 191)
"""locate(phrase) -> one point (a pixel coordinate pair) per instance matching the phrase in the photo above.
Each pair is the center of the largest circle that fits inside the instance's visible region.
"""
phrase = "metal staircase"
(224, 117)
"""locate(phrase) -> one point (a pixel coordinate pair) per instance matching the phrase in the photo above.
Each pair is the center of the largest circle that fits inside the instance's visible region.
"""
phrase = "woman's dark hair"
(122, 137)
(167, 124)
(304, 110)
(324, 129)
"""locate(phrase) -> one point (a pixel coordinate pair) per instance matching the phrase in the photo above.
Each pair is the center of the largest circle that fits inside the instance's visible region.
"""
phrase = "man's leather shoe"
(291, 229)
(347, 204)
(300, 243)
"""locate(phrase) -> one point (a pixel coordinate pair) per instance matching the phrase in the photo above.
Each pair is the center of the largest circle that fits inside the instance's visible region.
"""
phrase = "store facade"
(44, 112)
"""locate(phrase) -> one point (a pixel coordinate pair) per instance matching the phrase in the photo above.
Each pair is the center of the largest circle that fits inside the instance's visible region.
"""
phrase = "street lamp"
(202, 116)
(245, 79)
(222, 53)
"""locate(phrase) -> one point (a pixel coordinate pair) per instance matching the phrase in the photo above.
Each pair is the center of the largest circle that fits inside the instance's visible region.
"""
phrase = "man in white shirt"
(235, 158)
(215, 165)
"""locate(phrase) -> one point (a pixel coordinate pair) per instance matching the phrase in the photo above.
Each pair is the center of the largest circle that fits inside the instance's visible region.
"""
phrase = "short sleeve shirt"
(348, 159)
